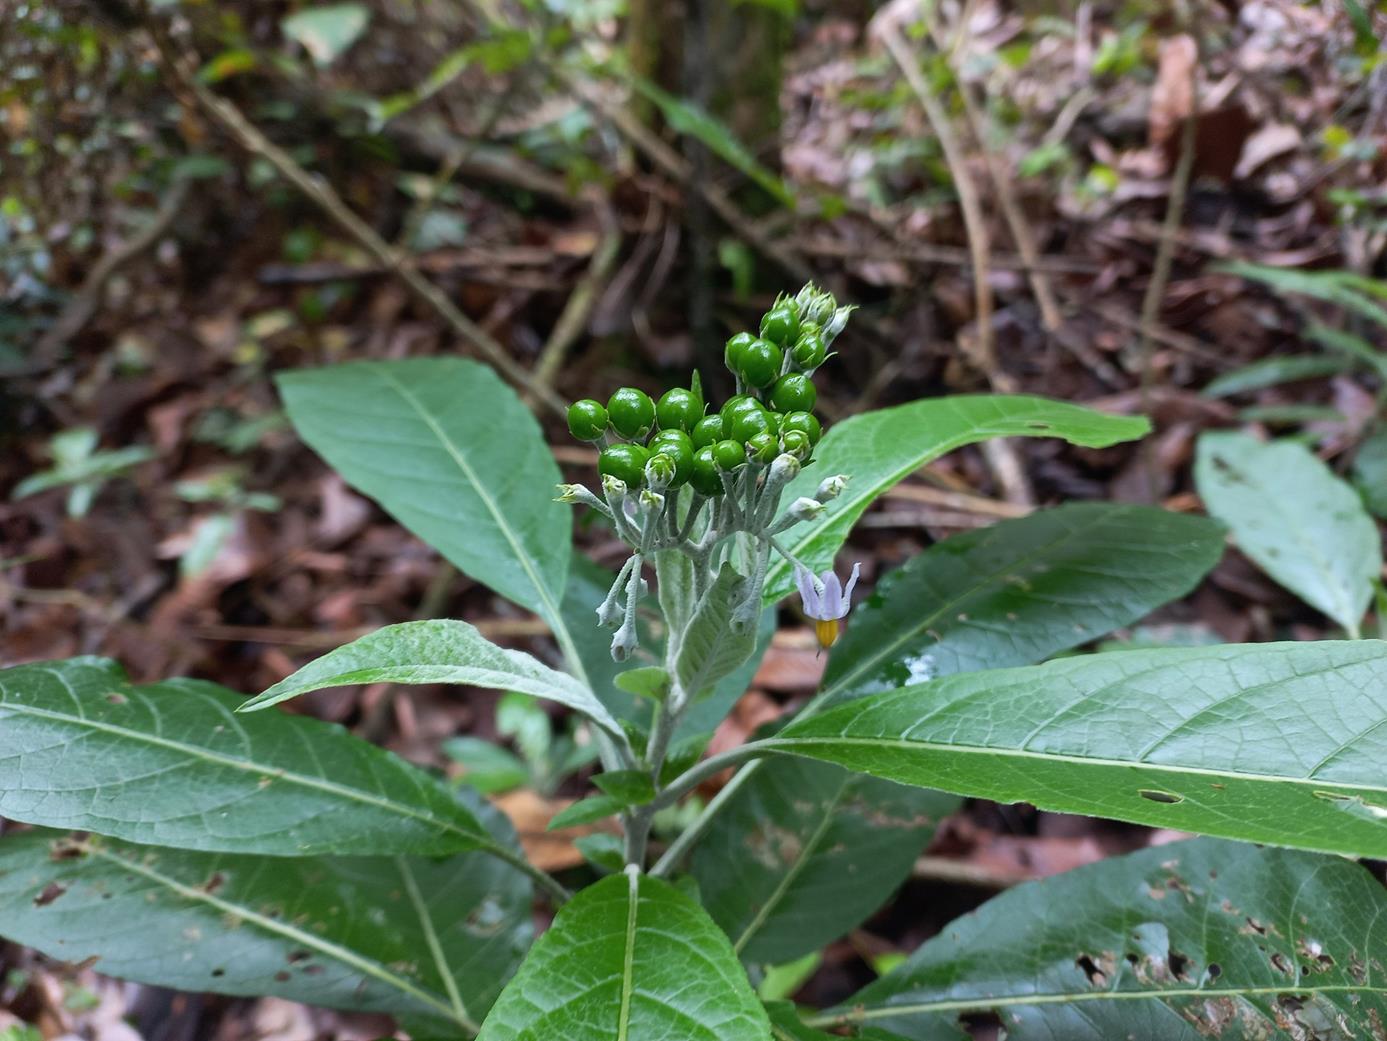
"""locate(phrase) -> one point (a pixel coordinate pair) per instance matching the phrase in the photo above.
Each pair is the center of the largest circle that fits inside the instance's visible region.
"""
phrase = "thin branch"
(321, 194)
(582, 300)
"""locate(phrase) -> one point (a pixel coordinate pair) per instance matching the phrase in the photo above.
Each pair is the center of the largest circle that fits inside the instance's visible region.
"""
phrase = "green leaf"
(878, 449)
(714, 646)
(452, 454)
(704, 716)
(651, 682)
(783, 981)
(1350, 346)
(786, 1024)
(1185, 942)
(804, 852)
(628, 959)
(586, 811)
(1279, 742)
(687, 118)
(326, 32)
(489, 768)
(1335, 287)
(437, 938)
(1272, 372)
(1017, 592)
(1370, 472)
(1300, 523)
(171, 764)
(436, 651)
(632, 787)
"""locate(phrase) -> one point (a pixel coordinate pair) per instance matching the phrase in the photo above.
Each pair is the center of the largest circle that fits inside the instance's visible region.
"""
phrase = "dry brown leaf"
(1172, 98)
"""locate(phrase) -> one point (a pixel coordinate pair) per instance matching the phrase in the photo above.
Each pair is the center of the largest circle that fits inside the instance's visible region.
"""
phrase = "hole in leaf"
(50, 893)
(983, 1026)
(1178, 964)
(1096, 976)
(1215, 970)
(1158, 796)
(1280, 964)
(218, 973)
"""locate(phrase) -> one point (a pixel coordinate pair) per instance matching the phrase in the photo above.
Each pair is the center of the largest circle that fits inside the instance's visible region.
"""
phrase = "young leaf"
(1017, 592)
(806, 851)
(1185, 942)
(171, 764)
(878, 449)
(452, 454)
(629, 958)
(586, 811)
(1302, 525)
(632, 787)
(713, 646)
(436, 651)
(434, 938)
(1280, 742)
(327, 32)
(488, 768)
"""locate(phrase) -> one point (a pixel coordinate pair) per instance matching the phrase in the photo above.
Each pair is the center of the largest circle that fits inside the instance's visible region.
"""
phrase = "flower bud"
(806, 509)
(659, 472)
(615, 489)
(652, 501)
(784, 469)
(831, 487)
(836, 322)
(570, 493)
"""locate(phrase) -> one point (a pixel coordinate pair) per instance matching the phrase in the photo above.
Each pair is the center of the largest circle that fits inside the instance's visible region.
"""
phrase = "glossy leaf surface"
(877, 449)
(1193, 941)
(629, 959)
(1280, 743)
(1019, 591)
(173, 764)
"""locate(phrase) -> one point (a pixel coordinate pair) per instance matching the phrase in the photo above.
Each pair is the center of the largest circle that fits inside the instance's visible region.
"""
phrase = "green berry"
(626, 462)
(587, 420)
(763, 447)
(705, 477)
(679, 447)
(736, 346)
(748, 423)
(809, 351)
(796, 443)
(729, 455)
(679, 409)
(708, 430)
(792, 393)
(802, 421)
(632, 412)
(759, 365)
(781, 324)
(735, 406)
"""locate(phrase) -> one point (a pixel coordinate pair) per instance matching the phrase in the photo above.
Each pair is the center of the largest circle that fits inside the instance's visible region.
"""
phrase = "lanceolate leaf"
(1189, 942)
(451, 452)
(1303, 525)
(877, 449)
(171, 764)
(436, 651)
(629, 959)
(432, 938)
(806, 851)
(714, 646)
(1280, 743)
(1020, 591)
(1370, 472)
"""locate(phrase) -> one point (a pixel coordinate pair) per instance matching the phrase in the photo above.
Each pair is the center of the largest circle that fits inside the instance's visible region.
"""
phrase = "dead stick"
(582, 300)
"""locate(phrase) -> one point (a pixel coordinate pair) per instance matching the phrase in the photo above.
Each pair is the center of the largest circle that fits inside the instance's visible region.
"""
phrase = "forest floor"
(226, 549)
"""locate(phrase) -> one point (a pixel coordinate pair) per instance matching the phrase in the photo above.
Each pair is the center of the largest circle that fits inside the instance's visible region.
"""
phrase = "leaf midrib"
(865, 1013)
(345, 955)
(628, 965)
(440, 959)
(787, 744)
(550, 606)
(246, 766)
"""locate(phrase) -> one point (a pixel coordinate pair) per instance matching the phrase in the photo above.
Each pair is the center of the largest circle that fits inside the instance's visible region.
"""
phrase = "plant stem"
(551, 885)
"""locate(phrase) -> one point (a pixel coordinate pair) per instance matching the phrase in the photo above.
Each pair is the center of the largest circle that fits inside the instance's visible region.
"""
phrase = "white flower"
(825, 600)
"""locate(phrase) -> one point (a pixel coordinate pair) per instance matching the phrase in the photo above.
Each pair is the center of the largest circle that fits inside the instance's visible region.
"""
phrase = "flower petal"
(808, 595)
(833, 596)
(847, 591)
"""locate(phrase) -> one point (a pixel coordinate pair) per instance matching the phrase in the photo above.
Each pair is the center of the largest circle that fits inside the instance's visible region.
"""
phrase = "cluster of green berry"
(673, 442)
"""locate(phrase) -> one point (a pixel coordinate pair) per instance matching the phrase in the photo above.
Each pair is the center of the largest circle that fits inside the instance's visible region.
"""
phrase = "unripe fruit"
(679, 409)
(679, 447)
(736, 345)
(763, 447)
(809, 351)
(735, 406)
(748, 424)
(587, 420)
(760, 363)
(631, 412)
(796, 443)
(791, 393)
(803, 421)
(781, 324)
(624, 462)
(708, 431)
(729, 455)
(705, 477)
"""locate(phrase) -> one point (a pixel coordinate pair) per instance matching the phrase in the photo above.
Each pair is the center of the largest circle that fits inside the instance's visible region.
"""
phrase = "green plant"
(189, 844)
(80, 468)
